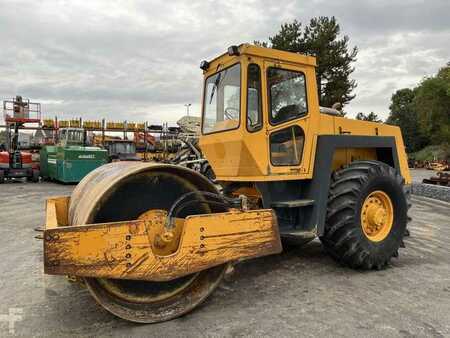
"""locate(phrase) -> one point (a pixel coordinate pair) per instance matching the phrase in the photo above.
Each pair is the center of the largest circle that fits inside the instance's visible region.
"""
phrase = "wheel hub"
(377, 216)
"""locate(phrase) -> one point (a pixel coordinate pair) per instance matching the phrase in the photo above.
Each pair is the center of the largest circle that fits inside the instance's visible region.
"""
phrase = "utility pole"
(187, 105)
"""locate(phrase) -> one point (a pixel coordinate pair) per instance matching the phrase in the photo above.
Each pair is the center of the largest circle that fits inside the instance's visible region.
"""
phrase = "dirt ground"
(301, 292)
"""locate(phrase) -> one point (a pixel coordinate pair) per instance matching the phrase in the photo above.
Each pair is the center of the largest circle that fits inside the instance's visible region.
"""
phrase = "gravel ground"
(301, 292)
(419, 174)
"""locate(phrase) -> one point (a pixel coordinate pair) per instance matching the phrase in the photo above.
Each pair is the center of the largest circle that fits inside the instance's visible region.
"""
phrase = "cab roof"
(261, 52)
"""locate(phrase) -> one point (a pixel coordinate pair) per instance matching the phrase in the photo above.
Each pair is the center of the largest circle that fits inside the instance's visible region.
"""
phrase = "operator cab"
(122, 150)
(257, 104)
(71, 137)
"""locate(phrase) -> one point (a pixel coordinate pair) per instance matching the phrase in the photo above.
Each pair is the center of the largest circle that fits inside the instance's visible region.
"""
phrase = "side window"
(287, 93)
(286, 146)
(254, 114)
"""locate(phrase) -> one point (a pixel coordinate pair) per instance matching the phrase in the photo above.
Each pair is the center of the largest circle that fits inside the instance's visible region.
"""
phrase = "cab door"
(254, 155)
(288, 118)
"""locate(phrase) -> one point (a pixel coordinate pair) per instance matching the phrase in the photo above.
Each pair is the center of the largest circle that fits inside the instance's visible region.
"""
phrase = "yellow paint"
(251, 192)
(164, 242)
(126, 250)
(343, 156)
(48, 123)
(57, 209)
(240, 155)
(377, 216)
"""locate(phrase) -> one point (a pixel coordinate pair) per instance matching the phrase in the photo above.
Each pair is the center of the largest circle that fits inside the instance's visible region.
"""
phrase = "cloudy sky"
(138, 60)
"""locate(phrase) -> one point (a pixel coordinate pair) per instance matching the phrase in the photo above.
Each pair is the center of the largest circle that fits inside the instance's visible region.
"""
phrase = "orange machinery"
(15, 163)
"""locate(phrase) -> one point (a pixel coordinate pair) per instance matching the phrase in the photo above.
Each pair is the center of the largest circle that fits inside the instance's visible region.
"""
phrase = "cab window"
(75, 136)
(254, 114)
(287, 95)
(286, 146)
(222, 100)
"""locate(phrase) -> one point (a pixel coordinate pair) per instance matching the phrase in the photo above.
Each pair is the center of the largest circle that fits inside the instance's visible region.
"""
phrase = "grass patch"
(431, 153)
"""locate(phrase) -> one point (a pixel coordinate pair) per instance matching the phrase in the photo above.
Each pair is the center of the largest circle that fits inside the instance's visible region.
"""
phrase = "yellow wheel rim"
(377, 216)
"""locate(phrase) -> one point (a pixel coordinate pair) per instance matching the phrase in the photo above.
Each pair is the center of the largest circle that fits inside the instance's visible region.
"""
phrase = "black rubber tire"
(343, 236)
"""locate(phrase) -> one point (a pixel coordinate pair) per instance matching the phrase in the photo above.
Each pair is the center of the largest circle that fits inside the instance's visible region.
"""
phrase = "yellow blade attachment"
(144, 250)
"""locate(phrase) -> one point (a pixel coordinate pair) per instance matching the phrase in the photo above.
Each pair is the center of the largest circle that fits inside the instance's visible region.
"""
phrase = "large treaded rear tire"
(343, 236)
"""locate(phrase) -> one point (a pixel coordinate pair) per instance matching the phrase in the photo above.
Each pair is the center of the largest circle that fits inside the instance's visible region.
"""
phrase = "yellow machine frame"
(240, 155)
(235, 155)
(153, 246)
(143, 249)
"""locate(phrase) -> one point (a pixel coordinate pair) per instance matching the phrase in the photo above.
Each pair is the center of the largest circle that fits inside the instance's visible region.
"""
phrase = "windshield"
(71, 136)
(222, 101)
(125, 148)
(75, 136)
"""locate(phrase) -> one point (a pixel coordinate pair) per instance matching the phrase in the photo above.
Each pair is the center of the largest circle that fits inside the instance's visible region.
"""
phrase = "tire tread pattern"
(342, 239)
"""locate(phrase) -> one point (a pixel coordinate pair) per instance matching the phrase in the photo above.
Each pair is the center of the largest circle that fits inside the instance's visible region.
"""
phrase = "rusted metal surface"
(143, 249)
(125, 206)
(103, 180)
(125, 250)
(135, 196)
(441, 179)
(166, 306)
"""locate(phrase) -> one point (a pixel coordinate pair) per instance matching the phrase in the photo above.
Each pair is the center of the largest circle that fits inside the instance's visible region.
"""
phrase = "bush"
(431, 153)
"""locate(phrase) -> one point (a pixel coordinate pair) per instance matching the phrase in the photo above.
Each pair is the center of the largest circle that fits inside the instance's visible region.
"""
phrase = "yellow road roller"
(151, 241)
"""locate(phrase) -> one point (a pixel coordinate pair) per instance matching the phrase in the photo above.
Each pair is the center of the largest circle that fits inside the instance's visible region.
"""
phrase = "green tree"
(322, 39)
(432, 103)
(368, 117)
(403, 114)
(423, 113)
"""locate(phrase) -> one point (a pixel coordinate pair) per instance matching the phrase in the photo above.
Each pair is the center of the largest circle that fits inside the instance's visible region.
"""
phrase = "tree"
(368, 117)
(423, 113)
(403, 114)
(432, 102)
(321, 38)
